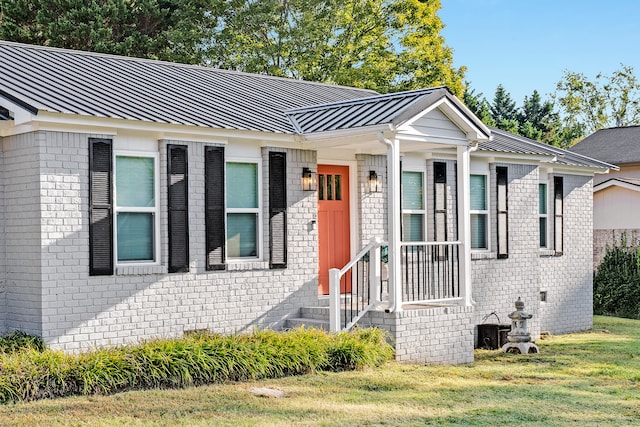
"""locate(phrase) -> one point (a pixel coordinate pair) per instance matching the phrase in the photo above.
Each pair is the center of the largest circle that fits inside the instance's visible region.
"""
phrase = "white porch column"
(464, 222)
(394, 218)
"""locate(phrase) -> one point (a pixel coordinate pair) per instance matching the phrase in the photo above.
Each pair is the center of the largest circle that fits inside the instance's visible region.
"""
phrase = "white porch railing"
(430, 273)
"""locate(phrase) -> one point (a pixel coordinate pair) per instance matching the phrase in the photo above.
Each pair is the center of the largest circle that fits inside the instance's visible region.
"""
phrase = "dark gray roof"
(91, 84)
(393, 108)
(506, 142)
(614, 145)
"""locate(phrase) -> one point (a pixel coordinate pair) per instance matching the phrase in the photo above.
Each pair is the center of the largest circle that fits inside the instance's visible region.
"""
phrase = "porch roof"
(393, 109)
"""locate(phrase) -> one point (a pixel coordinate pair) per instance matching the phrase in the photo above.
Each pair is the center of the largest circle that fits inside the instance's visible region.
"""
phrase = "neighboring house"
(616, 197)
(142, 198)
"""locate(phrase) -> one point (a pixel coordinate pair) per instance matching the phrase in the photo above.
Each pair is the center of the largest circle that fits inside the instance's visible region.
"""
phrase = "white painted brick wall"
(497, 283)
(568, 279)
(79, 311)
(3, 266)
(372, 206)
(48, 290)
(22, 155)
(440, 335)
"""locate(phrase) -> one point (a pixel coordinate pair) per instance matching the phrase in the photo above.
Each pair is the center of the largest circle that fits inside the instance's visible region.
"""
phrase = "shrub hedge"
(616, 282)
(29, 372)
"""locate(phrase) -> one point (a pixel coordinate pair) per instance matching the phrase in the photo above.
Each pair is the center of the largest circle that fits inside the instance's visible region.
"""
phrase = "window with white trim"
(543, 214)
(479, 210)
(413, 206)
(243, 210)
(136, 208)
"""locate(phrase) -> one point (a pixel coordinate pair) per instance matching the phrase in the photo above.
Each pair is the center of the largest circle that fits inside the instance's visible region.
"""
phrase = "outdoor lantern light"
(373, 182)
(308, 180)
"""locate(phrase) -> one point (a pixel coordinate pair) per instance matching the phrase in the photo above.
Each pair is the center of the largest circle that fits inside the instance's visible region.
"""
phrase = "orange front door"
(333, 221)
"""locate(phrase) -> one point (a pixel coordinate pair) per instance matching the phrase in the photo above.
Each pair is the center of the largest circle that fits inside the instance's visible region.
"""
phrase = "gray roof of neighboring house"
(614, 145)
(506, 142)
(392, 108)
(92, 84)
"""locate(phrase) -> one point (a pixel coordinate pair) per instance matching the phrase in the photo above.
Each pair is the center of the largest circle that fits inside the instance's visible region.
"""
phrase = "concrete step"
(308, 323)
(316, 313)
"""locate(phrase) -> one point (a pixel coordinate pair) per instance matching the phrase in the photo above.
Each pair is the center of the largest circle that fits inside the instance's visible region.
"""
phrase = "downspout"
(393, 221)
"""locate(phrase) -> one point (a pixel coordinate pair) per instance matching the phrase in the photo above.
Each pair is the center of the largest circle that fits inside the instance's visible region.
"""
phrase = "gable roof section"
(91, 84)
(613, 145)
(394, 109)
(506, 142)
(628, 183)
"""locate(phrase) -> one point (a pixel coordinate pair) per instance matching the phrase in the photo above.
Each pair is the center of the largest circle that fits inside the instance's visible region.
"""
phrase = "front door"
(333, 221)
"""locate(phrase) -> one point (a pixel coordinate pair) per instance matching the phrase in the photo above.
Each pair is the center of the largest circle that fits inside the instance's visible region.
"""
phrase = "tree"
(535, 119)
(503, 110)
(478, 105)
(170, 30)
(375, 44)
(538, 120)
(608, 101)
(386, 45)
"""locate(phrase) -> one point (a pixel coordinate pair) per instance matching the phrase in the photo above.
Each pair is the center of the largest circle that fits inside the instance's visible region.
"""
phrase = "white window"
(413, 206)
(543, 214)
(243, 210)
(136, 208)
(479, 210)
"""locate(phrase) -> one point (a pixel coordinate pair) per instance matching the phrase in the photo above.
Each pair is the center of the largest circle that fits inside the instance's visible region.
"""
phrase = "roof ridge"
(364, 100)
(173, 64)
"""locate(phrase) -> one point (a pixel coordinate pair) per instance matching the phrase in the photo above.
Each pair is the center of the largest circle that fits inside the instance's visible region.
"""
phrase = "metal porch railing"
(430, 273)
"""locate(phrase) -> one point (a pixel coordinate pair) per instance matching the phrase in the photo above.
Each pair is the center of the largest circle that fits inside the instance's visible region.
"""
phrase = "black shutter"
(100, 208)
(177, 182)
(440, 201)
(214, 207)
(277, 210)
(558, 211)
(503, 212)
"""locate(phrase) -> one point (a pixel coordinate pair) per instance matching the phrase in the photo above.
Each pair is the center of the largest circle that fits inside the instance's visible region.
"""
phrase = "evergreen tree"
(170, 30)
(478, 105)
(503, 108)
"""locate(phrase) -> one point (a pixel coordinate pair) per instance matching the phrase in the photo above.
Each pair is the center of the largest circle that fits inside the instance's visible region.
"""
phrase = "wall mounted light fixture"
(308, 180)
(374, 185)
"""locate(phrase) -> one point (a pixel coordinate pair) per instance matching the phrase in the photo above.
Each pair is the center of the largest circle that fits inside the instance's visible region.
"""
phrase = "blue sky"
(526, 44)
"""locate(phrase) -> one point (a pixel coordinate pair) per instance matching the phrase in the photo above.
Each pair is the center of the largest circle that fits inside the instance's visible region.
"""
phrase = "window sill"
(247, 265)
(545, 253)
(140, 270)
(482, 255)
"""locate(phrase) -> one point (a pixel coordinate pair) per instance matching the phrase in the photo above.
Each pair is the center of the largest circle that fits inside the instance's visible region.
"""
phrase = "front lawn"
(590, 378)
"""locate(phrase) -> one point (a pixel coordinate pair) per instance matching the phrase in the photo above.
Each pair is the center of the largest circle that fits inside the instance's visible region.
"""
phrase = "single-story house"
(616, 197)
(141, 198)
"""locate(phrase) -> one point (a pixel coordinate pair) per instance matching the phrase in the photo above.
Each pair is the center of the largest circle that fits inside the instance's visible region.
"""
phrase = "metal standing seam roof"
(92, 84)
(369, 111)
(506, 142)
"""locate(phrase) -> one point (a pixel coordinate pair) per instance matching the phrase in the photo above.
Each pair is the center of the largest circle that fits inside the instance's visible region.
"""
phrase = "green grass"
(590, 378)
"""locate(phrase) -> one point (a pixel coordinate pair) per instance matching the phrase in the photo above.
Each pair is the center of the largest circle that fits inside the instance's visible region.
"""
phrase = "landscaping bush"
(616, 282)
(199, 358)
(17, 341)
